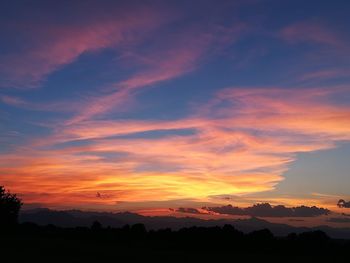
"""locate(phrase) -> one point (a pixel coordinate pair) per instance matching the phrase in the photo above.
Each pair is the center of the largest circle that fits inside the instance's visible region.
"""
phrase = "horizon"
(207, 109)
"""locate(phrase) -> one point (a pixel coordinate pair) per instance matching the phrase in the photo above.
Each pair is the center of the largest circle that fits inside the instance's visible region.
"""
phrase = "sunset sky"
(150, 105)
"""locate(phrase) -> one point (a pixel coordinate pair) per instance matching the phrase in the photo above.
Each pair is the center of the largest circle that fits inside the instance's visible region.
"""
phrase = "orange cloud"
(240, 142)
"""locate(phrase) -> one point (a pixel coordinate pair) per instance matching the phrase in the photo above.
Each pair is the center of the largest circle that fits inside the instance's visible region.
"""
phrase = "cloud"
(13, 101)
(239, 142)
(311, 32)
(326, 74)
(188, 210)
(52, 43)
(338, 220)
(102, 195)
(323, 61)
(266, 210)
(180, 53)
(56, 106)
(343, 204)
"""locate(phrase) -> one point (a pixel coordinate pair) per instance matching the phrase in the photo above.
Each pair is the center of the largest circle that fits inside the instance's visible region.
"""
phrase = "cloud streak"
(187, 49)
(51, 44)
(311, 32)
(239, 142)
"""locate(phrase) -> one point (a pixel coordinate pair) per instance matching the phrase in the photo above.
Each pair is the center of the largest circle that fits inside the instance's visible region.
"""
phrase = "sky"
(150, 105)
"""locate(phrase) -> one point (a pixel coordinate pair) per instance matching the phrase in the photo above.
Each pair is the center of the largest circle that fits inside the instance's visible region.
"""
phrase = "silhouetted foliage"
(10, 206)
(343, 204)
(263, 235)
(193, 244)
(96, 226)
(314, 236)
(135, 243)
(138, 229)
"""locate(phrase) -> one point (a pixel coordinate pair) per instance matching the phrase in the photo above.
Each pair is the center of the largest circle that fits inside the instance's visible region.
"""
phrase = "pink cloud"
(51, 46)
(325, 74)
(182, 55)
(311, 32)
(56, 106)
(13, 101)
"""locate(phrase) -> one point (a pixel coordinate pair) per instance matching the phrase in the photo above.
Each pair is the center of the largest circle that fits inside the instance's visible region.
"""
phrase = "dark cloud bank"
(187, 210)
(263, 210)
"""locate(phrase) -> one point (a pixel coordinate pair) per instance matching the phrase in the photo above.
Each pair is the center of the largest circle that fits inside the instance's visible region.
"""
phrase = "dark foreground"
(31, 243)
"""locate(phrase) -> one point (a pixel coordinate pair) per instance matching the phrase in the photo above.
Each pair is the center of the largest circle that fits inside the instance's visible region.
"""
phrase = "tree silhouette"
(96, 226)
(343, 204)
(10, 205)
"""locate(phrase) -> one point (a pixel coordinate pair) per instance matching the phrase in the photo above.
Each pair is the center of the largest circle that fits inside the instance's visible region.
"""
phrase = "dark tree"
(96, 226)
(343, 204)
(10, 205)
(138, 230)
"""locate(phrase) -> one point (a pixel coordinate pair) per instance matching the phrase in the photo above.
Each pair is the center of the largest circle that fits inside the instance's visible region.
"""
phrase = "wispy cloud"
(182, 55)
(326, 74)
(56, 106)
(311, 32)
(52, 44)
(240, 142)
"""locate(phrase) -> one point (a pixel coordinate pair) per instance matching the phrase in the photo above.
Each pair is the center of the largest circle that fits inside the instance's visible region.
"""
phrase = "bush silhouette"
(10, 206)
(96, 226)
